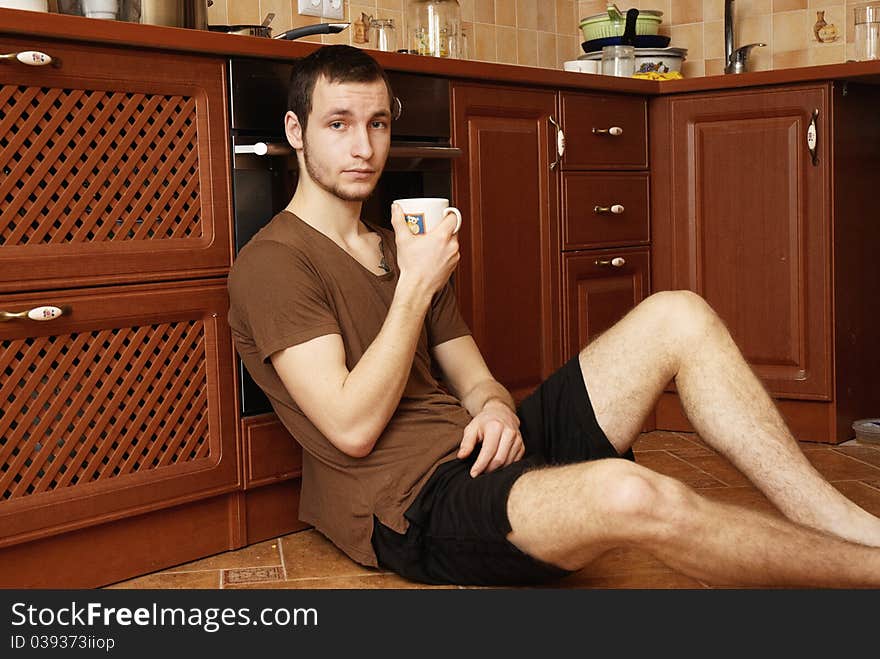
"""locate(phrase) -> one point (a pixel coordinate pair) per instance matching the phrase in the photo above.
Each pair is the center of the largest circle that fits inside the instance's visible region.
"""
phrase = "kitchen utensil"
(867, 31)
(661, 60)
(618, 61)
(106, 9)
(641, 41)
(261, 30)
(600, 26)
(629, 29)
(867, 430)
(320, 28)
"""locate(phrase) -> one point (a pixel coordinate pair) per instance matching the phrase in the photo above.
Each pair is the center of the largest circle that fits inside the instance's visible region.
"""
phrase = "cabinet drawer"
(123, 405)
(586, 117)
(270, 453)
(114, 167)
(600, 210)
(598, 294)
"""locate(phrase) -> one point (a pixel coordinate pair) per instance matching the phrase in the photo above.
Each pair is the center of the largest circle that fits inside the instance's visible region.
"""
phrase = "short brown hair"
(337, 63)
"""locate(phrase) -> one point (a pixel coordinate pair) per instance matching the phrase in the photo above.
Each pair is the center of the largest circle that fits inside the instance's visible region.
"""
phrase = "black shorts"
(458, 525)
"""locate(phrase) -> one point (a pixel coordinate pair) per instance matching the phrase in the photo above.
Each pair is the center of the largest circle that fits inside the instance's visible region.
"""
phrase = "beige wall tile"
(834, 53)
(484, 11)
(527, 14)
(527, 47)
(713, 40)
(484, 42)
(714, 67)
(282, 11)
(791, 58)
(788, 5)
(217, 13)
(506, 44)
(505, 12)
(590, 7)
(743, 8)
(467, 10)
(547, 50)
(692, 68)
(690, 37)
(547, 16)
(755, 29)
(833, 16)
(790, 31)
(393, 5)
(566, 18)
(713, 10)
(567, 48)
(244, 12)
(686, 11)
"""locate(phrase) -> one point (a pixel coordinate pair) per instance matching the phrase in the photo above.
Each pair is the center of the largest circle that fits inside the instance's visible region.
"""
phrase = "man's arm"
(495, 424)
(352, 408)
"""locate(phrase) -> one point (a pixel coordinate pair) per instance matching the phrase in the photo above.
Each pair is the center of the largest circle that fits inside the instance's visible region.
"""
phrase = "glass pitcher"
(433, 27)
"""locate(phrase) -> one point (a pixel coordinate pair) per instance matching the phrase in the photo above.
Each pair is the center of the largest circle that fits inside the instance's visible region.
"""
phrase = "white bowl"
(581, 66)
(662, 60)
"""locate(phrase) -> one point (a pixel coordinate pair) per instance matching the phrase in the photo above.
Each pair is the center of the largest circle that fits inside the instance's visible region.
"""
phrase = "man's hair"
(336, 63)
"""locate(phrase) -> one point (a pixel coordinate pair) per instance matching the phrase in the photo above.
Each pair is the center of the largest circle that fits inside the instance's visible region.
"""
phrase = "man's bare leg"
(569, 515)
(677, 335)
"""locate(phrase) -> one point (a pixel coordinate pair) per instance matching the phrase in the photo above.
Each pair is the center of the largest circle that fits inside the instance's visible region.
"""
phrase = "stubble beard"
(333, 187)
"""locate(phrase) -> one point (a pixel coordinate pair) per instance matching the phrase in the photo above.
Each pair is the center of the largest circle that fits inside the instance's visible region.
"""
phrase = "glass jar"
(382, 34)
(867, 31)
(433, 27)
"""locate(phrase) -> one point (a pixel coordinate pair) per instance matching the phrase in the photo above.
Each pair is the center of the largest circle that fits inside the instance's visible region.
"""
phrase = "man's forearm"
(373, 388)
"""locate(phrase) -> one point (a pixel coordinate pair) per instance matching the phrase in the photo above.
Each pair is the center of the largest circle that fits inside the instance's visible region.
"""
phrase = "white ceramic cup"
(424, 213)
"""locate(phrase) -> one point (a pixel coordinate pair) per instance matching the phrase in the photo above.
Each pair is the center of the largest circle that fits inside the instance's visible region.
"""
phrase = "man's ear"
(293, 130)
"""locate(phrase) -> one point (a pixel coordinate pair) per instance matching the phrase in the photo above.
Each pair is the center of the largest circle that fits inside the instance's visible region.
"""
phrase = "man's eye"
(379, 125)
(336, 125)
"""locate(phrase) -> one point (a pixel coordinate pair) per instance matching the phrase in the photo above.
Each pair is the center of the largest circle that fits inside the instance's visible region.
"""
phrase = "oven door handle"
(409, 151)
(264, 149)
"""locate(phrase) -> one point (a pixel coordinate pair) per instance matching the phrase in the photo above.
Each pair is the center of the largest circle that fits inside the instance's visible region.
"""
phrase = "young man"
(340, 323)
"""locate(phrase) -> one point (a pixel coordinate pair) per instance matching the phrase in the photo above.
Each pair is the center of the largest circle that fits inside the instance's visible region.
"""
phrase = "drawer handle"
(264, 149)
(29, 57)
(37, 313)
(616, 209)
(616, 262)
(614, 131)
(560, 143)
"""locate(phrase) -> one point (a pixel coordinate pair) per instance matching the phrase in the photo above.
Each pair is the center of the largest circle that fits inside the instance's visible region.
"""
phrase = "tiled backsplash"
(545, 33)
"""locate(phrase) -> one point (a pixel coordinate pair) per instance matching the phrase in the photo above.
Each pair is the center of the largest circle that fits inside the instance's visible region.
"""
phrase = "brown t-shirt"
(290, 284)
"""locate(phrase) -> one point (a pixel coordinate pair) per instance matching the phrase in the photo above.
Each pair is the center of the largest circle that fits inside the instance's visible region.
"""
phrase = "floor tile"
(661, 440)
(837, 466)
(668, 464)
(748, 497)
(309, 554)
(258, 555)
(172, 580)
(862, 453)
(717, 467)
(864, 495)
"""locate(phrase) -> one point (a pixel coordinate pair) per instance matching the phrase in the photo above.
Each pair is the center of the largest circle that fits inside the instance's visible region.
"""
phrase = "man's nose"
(361, 146)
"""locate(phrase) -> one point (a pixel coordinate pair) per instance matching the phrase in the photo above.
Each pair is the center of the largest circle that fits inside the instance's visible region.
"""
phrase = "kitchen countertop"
(58, 26)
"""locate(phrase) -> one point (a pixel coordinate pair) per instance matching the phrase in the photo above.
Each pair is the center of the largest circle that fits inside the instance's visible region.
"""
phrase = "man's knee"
(681, 313)
(641, 504)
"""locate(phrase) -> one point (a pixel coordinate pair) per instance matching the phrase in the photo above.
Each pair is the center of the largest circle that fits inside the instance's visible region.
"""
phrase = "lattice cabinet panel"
(123, 403)
(112, 165)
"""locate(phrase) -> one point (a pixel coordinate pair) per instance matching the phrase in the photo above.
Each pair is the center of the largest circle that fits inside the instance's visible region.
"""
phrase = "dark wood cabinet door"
(123, 405)
(600, 287)
(741, 215)
(115, 167)
(507, 281)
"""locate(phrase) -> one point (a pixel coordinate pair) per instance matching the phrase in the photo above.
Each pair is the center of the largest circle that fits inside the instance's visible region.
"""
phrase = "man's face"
(348, 136)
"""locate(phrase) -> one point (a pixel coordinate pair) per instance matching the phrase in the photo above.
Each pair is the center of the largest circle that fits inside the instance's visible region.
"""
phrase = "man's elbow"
(354, 442)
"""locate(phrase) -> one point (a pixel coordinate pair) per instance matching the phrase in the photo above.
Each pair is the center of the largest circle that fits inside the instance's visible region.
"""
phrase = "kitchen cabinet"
(117, 409)
(775, 236)
(508, 278)
(555, 241)
(605, 212)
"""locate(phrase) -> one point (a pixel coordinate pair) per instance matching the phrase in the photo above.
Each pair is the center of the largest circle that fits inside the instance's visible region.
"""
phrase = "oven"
(264, 171)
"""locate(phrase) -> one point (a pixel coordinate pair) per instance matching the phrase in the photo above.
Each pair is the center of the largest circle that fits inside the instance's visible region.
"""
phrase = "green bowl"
(602, 26)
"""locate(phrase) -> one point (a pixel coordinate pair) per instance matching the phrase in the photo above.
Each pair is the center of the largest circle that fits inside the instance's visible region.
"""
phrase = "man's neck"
(334, 217)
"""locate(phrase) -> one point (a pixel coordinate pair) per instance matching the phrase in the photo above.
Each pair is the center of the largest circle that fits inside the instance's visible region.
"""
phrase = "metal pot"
(265, 31)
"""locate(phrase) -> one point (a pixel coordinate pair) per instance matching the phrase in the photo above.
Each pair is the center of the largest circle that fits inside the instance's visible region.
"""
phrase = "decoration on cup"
(415, 222)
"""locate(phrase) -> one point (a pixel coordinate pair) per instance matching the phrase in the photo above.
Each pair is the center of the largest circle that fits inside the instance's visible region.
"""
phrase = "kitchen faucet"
(735, 59)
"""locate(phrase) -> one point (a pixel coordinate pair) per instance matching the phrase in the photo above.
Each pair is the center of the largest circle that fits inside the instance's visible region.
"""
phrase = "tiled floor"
(307, 560)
